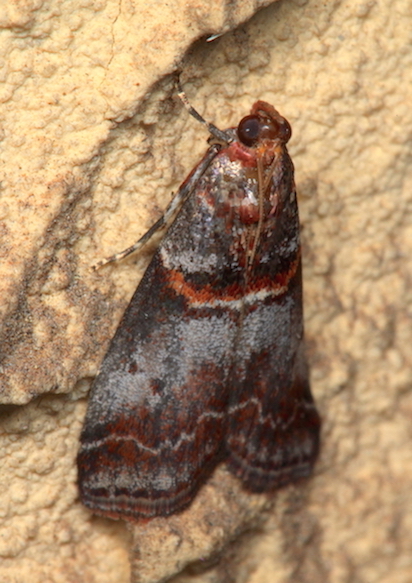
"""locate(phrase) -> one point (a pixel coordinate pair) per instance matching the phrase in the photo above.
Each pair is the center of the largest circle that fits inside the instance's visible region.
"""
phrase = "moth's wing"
(274, 425)
(156, 419)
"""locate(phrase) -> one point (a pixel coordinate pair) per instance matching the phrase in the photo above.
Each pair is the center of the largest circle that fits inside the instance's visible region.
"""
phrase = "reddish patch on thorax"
(237, 152)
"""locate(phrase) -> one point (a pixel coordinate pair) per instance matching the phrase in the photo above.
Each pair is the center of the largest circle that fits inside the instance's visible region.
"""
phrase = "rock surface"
(94, 142)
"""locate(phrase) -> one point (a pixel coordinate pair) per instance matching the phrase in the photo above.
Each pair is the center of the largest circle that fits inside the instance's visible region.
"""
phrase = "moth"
(208, 363)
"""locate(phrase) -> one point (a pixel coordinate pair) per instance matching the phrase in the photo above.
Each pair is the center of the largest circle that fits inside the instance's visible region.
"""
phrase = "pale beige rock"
(340, 72)
(46, 536)
(72, 72)
(193, 540)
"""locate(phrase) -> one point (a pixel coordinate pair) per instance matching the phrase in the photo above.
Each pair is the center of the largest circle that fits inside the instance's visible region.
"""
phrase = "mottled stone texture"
(81, 179)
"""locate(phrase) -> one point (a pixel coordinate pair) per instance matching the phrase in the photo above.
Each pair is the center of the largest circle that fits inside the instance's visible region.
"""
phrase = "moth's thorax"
(239, 205)
(240, 185)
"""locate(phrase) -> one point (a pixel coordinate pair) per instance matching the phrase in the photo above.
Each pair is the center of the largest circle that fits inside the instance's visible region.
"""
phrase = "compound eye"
(284, 130)
(248, 130)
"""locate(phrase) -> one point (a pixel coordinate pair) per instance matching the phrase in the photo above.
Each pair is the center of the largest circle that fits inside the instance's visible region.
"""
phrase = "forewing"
(273, 435)
(274, 426)
(157, 413)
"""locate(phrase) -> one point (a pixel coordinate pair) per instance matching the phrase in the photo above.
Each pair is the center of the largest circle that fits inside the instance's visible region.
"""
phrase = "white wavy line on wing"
(165, 445)
(268, 418)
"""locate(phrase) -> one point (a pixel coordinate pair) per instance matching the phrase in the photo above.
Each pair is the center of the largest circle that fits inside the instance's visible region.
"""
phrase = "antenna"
(212, 129)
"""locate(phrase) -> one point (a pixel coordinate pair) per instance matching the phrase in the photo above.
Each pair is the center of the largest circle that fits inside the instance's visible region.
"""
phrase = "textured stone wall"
(94, 142)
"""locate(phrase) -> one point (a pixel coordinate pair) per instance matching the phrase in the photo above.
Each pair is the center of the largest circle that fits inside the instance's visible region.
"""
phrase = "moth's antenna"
(212, 129)
(185, 190)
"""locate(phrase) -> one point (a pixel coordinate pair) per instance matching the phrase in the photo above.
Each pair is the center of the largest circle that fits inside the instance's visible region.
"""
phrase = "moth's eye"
(248, 130)
(253, 128)
(284, 130)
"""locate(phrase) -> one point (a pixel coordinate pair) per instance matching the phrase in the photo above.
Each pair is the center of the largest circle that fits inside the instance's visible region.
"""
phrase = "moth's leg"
(172, 209)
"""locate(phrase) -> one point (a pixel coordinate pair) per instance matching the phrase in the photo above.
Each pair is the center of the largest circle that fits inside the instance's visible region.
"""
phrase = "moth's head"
(263, 123)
